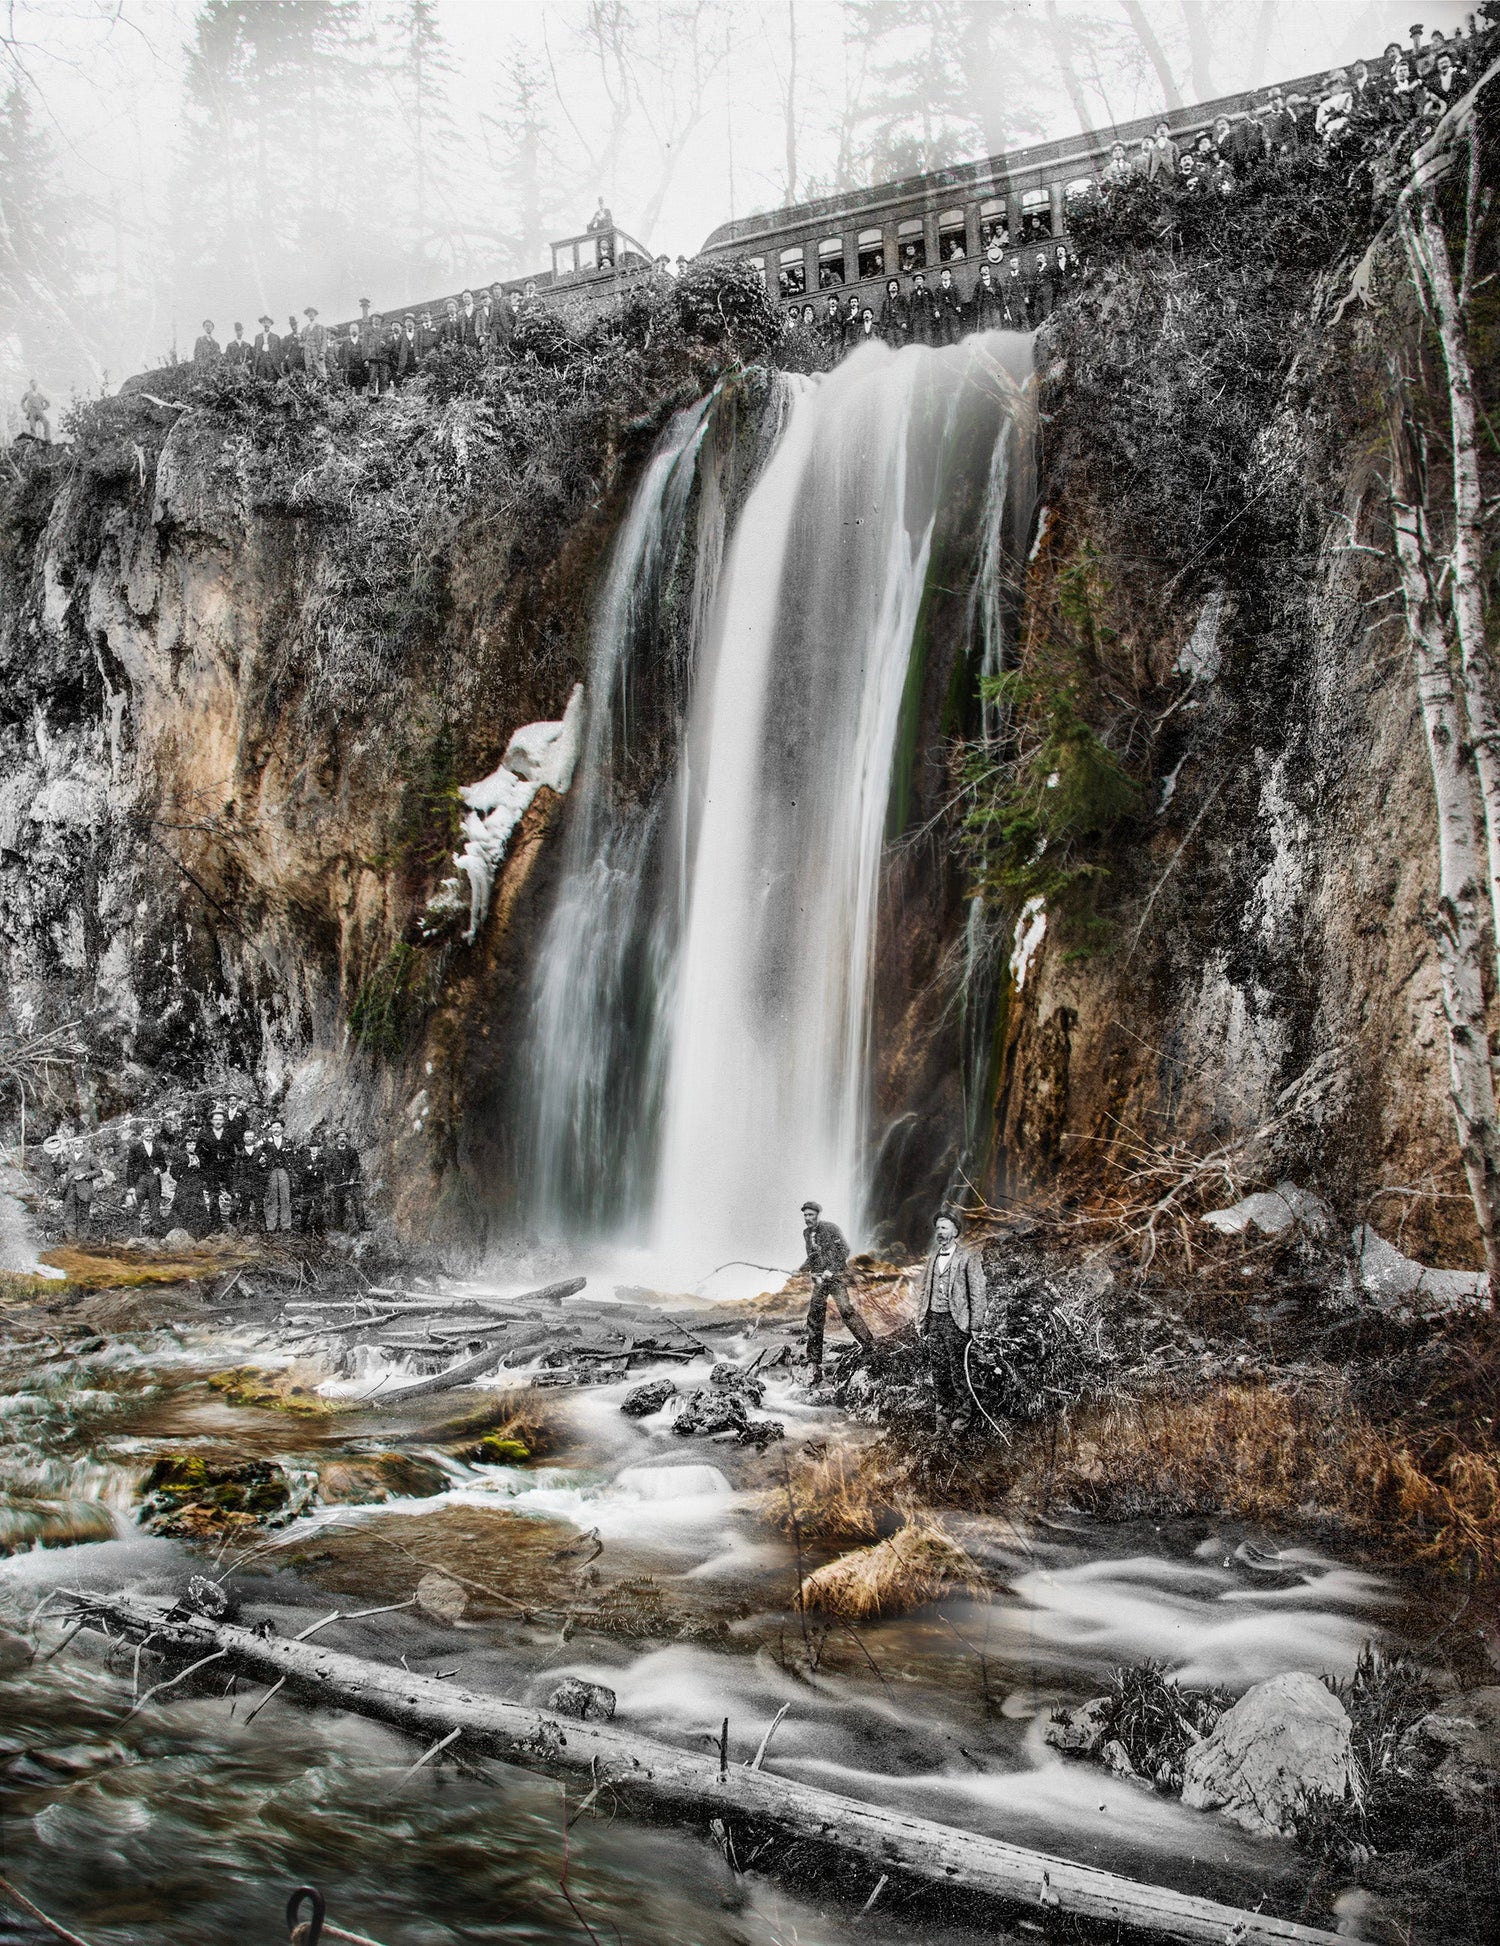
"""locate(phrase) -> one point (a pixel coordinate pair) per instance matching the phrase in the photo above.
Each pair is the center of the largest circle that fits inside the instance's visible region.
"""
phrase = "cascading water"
(595, 1067)
(704, 996)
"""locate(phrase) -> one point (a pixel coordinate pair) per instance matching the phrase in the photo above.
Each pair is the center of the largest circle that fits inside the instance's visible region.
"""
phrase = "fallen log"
(654, 1779)
(479, 1366)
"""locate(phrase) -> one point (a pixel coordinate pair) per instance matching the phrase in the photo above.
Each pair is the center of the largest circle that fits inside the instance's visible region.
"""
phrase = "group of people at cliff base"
(1369, 106)
(375, 353)
(952, 1295)
(221, 1167)
(1013, 293)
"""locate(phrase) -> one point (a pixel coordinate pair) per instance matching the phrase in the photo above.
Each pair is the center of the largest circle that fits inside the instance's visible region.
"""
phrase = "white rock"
(1084, 1730)
(1272, 1211)
(1398, 1283)
(1284, 1742)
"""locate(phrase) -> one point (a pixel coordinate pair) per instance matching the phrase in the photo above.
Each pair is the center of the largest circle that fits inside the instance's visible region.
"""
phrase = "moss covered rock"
(188, 1496)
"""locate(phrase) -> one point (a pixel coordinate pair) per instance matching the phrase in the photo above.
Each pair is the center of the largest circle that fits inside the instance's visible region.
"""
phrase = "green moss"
(1043, 815)
(388, 1008)
(492, 1450)
(184, 1494)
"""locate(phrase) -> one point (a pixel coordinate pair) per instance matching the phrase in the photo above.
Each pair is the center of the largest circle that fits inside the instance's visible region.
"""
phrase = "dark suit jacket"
(827, 1251)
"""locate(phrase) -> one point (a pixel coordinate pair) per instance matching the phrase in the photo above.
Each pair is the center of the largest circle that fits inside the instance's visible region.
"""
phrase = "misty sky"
(695, 111)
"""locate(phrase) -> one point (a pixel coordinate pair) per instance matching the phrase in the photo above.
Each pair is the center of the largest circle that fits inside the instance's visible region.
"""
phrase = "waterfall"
(802, 687)
(594, 1067)
(702, 1016)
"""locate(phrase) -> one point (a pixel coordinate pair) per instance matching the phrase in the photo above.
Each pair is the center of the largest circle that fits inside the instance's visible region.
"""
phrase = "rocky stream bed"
(522, 1533)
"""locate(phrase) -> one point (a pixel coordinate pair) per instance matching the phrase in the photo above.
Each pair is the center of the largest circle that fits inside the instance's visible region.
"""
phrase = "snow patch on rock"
(1031, 929)
(1272, 1211)
(538, 754)
(1398, 1283)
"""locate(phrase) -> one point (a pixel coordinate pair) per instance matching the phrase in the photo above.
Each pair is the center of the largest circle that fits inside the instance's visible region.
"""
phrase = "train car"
(952, 218)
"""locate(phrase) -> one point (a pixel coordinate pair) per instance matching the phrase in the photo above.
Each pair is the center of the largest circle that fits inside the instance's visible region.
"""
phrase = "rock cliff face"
(1255, 973)
(243, 683)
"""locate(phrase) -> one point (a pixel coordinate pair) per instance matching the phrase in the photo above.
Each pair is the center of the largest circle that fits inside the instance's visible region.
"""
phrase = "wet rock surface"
(642, 1400)
(587, 1702)
(1456, 1748)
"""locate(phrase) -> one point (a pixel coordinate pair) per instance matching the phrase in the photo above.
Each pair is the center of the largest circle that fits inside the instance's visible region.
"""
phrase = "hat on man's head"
(311, 311)
(810, 1204)
(264, 319)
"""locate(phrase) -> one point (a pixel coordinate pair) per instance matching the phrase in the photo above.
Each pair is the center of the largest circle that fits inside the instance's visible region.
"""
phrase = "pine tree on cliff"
(419, 67)
(272, 195)
(39, 253)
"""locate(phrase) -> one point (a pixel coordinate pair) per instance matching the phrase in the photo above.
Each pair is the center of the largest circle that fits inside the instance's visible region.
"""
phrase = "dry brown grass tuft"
(105, 1268)
(841, 1493)
(916, 1565)
(1263, 1453)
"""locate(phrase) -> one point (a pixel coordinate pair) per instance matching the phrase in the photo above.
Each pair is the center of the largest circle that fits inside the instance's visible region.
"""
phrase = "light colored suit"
(967, 1289)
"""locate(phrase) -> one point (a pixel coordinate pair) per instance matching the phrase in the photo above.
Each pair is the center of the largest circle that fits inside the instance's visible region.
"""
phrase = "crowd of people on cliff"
(375, 353)
(220, 1167)
(1358, 111)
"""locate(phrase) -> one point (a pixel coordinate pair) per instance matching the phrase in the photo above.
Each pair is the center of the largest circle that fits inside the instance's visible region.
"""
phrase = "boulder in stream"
(587, 1702)
(713, 1412)
(369, 1479)
(642, 1400)
(1080, 1732)
(1285, 1743)
(185, 1495)
(440, 1596)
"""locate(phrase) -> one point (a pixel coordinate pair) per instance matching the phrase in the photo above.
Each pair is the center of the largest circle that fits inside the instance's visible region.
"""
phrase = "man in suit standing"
(145, 1164)
(950, 1308)
(266, 353)
(277, 1162)
(827, 1259)
(206, 348)
(314, 345)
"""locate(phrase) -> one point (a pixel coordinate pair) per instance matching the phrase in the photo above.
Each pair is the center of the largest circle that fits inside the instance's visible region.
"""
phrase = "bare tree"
(1457, 925)
(1145, 33)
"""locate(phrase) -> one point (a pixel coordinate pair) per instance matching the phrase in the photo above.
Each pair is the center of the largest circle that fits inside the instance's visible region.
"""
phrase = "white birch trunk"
(1458, 931)
(1432, 271)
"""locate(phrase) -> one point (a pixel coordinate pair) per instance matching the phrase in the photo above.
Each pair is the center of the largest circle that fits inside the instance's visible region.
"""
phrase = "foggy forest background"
(162, 161)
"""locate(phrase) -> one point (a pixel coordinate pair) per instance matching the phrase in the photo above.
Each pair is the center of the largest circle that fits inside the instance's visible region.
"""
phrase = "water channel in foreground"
(191, 1820)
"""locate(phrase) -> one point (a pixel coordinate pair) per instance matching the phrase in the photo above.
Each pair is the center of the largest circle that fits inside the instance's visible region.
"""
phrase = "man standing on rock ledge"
(828, 1260)
(950, 1309)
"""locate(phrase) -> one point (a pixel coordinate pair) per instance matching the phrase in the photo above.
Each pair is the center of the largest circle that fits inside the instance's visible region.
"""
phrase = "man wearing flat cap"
(950, 1309)
(827, 1260)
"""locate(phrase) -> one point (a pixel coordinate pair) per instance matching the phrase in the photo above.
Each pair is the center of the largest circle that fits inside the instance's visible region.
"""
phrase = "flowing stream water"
(192, 1818)
(701, 1048)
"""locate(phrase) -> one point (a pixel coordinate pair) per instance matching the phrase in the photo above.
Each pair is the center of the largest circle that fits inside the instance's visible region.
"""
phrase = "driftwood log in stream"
(654, 1779)
(479, 1366)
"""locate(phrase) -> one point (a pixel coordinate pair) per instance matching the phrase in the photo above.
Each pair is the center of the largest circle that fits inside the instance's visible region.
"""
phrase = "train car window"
(1036, 213)
(587, 254)
(871, 248)
(994, 223)
(911, 241)
(563, 259)
(830, 262)
(952, 245)
(791, 277)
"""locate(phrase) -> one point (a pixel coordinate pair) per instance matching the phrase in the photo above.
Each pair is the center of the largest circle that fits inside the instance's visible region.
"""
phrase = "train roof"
(1044, 160)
